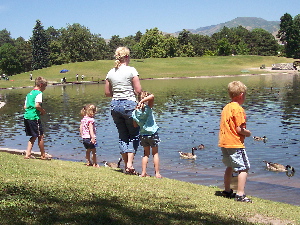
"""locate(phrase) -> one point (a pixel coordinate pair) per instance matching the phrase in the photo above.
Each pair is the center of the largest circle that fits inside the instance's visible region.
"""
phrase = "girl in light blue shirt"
(144, 118)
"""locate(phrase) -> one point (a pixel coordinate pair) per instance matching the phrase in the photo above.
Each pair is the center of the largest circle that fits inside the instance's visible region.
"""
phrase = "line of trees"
(289, 35)
(76, 43)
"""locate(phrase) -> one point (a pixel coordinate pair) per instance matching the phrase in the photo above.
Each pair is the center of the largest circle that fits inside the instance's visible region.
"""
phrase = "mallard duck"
(112, 164)
(256, 138)
(201, 146)
(188, 155)
(278, 167)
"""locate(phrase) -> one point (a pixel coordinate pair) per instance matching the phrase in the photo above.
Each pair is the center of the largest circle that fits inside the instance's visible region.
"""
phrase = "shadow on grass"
(24, 205)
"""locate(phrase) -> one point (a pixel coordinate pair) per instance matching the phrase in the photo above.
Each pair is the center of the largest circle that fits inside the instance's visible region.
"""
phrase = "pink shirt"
(85, 126)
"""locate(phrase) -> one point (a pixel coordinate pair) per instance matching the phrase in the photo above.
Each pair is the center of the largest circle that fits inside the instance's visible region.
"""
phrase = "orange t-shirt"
(233, 116)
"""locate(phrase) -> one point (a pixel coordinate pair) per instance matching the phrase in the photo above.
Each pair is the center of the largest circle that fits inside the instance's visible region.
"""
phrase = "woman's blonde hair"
(235, 88)
(120, 54)
(88, 110)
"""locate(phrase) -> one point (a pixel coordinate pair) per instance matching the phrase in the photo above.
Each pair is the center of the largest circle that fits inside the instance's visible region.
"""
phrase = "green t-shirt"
(31, 113)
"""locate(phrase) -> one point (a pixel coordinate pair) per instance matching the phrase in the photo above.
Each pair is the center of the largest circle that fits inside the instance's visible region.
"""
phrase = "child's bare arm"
(243, 131)
(149, 99)
(80, 129)
(92, 133)
(40, 108)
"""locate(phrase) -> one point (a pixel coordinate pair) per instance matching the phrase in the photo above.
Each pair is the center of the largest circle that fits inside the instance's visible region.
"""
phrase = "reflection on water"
(188, 113)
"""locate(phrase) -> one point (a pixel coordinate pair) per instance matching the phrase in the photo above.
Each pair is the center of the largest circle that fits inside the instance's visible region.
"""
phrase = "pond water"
(188, 113)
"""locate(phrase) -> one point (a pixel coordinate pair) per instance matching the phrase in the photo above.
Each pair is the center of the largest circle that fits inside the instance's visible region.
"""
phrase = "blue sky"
(123, 18)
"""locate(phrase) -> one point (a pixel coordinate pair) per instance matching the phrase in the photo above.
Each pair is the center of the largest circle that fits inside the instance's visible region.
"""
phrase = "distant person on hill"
(77, 76)
(123, 84)
(30, 76)
(33, 110)
(88, 133)
(231, 140)
(82, 76)
(144, 118)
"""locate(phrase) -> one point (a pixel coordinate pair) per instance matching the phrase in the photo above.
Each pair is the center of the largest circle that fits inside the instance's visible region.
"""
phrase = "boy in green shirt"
(33, 110)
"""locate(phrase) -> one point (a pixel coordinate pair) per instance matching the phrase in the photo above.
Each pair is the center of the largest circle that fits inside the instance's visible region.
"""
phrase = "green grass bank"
(62, 192)
(153, 68)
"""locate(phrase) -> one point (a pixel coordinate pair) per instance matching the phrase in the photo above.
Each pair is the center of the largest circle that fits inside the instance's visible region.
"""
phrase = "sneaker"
(229, 194)
(242, 198)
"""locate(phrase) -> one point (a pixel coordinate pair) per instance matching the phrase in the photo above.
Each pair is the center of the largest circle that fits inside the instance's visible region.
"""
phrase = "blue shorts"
(87, 143)
(236, 158)
(149, 140)
(33, 128)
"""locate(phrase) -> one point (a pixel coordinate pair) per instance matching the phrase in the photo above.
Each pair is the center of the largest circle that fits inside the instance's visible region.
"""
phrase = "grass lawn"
(152, 68)
(62, 192)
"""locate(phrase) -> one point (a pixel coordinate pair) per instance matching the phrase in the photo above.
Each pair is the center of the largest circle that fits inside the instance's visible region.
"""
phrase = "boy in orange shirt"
(231, 140)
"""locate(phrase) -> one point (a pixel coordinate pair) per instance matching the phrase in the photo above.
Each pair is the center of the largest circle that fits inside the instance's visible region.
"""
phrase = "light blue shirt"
(145, 119)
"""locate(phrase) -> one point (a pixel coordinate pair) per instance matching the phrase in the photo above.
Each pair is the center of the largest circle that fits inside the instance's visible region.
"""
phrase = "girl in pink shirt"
(88, 133)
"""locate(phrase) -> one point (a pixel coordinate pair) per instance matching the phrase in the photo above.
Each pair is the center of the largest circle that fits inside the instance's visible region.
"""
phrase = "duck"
(256, 138)
(201, 146)
(188, 155)
(112, 164)
(278, 167)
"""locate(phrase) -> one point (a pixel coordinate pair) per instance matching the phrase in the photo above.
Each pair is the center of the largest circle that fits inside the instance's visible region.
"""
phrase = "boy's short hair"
(235, 88)
(40, 81)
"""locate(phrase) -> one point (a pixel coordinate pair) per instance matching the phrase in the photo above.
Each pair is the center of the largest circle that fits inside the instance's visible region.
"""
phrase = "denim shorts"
(236, 158)
(87, 143)
(150, 140)
(121, 111)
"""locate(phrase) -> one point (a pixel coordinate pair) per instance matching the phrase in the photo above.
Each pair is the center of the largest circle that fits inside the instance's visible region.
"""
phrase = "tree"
(40, 47)
(296, 24)
(99, 47)
(171, 45)
(113, 44)
(5, 37)
(224, 48)
(76, 41)
(152, 44)
(202, 44)
(262, 43)
(24, 52)
(285, 33)
(53, 34)
(129, 41)
(184, 37)
(138, 36)
(9, 60)
(57, 55)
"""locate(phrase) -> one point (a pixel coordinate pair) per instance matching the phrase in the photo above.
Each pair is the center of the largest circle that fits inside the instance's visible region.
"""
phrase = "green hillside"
(153, 68)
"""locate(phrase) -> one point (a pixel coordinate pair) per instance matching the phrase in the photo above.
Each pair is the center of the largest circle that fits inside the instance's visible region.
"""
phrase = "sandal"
(146, 175)
(29, 157)
(130, 171)
(229, 194)
(242, 198)
(45, 158)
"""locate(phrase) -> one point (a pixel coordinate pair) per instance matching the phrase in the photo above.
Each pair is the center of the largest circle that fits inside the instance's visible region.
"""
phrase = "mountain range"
(248, 22)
